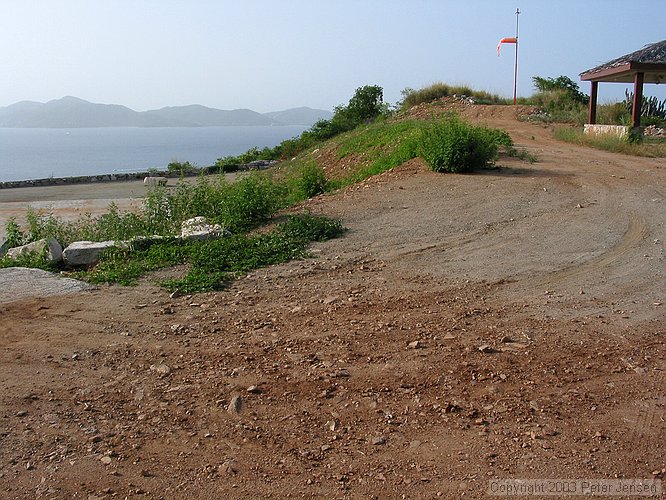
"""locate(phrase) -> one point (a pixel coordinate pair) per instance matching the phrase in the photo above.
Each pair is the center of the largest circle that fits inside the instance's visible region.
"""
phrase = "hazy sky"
(269, 55)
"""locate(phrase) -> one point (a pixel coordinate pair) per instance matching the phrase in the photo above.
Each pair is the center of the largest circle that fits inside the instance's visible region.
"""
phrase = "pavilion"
(647, 65)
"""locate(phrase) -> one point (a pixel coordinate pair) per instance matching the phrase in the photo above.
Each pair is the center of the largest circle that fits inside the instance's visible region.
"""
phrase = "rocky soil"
(506, 324)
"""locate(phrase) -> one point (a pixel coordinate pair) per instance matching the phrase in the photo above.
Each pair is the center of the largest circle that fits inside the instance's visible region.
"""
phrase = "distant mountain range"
(72, 112)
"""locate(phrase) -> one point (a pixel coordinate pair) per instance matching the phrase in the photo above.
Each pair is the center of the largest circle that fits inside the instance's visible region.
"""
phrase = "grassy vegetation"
(213, 263)
(650, 147)
(438, 90)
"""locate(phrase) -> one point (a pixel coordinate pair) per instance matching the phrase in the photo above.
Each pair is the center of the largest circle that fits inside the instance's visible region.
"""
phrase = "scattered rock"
(106, 460)
(417, 344)
(253, 389)
(236, 405)
(161, 369)
(379, 440)
(486, 349)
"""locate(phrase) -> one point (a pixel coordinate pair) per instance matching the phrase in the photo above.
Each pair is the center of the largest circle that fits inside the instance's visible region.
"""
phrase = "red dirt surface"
(505, 324)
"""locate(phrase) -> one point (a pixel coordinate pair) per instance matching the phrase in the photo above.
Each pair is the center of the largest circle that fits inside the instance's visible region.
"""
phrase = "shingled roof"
(650, 60)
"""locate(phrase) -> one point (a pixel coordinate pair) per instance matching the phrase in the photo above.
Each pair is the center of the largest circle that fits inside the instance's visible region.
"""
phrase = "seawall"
(86, 179)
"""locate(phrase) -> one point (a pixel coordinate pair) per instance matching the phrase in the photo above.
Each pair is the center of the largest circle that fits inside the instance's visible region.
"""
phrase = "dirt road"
(505, 324)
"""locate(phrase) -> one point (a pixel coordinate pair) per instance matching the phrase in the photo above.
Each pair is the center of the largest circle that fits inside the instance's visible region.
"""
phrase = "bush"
(411, 97)
(562, 84)
(311, 180)
(181, 168)
(456, 146)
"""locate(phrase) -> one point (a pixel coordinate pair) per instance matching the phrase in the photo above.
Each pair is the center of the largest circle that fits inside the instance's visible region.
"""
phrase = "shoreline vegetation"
(366, 133)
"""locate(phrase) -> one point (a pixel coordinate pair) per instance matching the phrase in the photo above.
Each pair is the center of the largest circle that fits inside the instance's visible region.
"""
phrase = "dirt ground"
(505, 324)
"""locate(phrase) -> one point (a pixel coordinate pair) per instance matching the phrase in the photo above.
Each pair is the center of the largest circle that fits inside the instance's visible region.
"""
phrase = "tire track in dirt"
(635, 234)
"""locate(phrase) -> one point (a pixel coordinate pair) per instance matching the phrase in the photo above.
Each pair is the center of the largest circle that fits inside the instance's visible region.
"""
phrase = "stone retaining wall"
(84, 179)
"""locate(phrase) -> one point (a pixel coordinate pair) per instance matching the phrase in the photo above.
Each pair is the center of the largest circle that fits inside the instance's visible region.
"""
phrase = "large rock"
(85, 253)
(155, 181)
(198, 228)
(47, 246)
(17, 283)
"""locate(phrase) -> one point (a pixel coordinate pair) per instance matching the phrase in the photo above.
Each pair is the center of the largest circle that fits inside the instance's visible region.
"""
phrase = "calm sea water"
(32, 153)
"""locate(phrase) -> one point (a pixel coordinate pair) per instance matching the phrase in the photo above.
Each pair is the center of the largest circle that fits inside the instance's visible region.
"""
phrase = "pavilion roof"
(650, 60)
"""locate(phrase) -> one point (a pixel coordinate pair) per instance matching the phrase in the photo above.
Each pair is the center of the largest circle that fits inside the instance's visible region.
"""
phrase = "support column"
(592, 117)
(638, 100)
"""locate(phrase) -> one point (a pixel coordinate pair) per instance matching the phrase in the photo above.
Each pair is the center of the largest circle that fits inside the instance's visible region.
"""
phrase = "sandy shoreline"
(70, 201)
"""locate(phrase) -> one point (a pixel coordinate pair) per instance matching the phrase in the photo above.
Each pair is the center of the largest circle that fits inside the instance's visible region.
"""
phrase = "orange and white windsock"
(505, 40)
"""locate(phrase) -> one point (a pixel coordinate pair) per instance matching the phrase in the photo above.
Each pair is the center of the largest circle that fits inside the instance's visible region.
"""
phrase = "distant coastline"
(72, 112)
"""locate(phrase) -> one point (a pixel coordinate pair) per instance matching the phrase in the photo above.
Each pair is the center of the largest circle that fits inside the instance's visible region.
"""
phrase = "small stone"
(229, 467)
(378, 440)
(330, 299)
(253, 389)
(486, 349)
(161, 369)
(415, 345)
(21, 413)
(106, 460)
(325, 447)
(235, 405)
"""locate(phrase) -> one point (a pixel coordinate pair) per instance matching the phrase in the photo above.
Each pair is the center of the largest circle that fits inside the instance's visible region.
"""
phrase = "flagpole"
(515, 68)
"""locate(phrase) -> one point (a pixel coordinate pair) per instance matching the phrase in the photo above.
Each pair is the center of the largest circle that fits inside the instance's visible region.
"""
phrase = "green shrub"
(181, 168)
(456, 146)
(15, 236)
(311, 180)
(563, 85)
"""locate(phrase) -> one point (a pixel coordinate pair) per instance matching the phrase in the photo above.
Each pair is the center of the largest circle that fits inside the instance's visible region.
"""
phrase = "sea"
(38, 153)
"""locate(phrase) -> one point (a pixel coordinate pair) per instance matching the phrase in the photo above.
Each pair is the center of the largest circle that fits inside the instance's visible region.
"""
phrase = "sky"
(270, 55)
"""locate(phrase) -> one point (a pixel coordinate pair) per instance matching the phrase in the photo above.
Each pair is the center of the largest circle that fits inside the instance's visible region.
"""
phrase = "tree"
(365, 105)
(562, 84)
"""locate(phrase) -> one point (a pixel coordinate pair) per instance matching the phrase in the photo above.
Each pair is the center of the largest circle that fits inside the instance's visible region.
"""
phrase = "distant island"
(72, 112)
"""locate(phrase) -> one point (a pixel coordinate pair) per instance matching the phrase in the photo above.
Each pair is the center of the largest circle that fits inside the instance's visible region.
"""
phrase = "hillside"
(72, 112)
(503, 324)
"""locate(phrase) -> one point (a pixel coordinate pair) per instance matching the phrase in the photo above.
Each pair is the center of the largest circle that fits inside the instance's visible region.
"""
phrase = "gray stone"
(235, 405)
(49, 246)
(198, 228)
(155, 181)
(17, 283)
(85, 253)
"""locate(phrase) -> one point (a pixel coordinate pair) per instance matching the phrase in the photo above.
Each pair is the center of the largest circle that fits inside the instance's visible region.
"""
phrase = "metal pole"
(515, 68)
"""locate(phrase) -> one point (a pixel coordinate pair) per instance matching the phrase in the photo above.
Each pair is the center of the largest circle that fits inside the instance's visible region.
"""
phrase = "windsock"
(505, 40)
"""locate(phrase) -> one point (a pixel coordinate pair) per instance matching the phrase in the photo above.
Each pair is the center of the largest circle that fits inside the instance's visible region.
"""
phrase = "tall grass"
(652, 148)
(438, 90)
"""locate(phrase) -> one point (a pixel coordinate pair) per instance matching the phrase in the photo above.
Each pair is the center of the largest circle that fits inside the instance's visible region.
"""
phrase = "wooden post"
(592, 117)
(638, 100)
